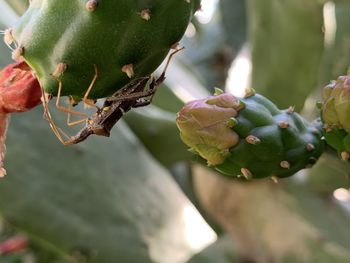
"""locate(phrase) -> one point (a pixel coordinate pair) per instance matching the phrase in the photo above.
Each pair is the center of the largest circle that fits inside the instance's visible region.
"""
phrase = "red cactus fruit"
(19, 91)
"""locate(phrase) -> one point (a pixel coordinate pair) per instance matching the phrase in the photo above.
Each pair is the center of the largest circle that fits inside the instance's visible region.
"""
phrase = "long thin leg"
(87, 93)
(85, 101)
(152, 87)
(57, 131)
(132, 96)
(64, 109)
(73, 123)
(169, 59)
(48, 116)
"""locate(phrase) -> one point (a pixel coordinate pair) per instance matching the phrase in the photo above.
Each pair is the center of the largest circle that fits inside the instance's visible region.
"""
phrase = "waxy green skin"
(267, 142)
(261, 118)
(338, 139)
(111, 36)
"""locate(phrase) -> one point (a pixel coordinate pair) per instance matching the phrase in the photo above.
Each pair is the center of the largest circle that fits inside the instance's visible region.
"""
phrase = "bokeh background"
(140, 196)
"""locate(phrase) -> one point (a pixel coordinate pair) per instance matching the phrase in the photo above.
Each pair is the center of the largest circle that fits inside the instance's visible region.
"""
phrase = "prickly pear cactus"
(122, 38)
(335, 115)
(249, 136)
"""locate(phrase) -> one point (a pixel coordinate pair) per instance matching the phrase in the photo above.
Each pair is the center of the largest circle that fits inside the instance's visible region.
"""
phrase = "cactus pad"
(249, 136)
(124, 39)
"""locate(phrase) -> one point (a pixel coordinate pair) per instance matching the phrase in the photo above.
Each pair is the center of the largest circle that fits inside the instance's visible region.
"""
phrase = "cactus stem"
(251, 139)
(249, 92)
(218, 91)
(274, 179)
(91, 5)
(17, 53)
(60, 68)
(290, 110)
(145, 14)
(246, 173)
(232, 122)
(310, 147)
(129, 70)
(283, 124)
(345, 156)
(285, 164)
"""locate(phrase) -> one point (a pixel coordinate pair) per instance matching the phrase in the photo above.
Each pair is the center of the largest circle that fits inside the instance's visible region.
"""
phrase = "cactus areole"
(124, 39)
(249, 137)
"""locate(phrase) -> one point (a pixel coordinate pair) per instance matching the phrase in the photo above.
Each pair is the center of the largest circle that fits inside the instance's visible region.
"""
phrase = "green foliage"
(329, 174)
(20, 6)
(156, 136)
(5, 57)
(337, 49)
(110, 200)
(234, 19)
(287, 45)
(92, 199)
(123, 39)
(220, 252)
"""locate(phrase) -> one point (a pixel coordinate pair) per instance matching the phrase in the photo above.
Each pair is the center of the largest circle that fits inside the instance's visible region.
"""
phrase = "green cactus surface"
(249, 136)
(123, 38)
(335, 115)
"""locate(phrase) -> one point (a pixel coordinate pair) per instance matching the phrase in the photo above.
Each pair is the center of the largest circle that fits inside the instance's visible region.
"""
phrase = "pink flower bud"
(206, 126)
(336, 108)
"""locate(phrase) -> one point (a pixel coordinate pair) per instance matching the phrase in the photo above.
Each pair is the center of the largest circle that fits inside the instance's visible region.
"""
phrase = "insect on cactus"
(92, 49)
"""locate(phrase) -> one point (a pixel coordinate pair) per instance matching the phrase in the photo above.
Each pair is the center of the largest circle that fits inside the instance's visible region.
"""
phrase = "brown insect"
(137, 93)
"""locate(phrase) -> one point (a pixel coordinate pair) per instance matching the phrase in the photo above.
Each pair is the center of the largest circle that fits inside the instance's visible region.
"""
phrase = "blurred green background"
(140, 196)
